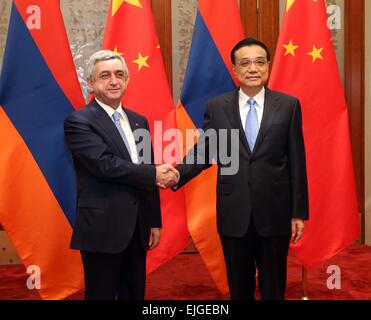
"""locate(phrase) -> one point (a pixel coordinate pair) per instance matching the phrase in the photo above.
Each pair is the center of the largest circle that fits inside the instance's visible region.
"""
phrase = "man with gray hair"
(118, 205)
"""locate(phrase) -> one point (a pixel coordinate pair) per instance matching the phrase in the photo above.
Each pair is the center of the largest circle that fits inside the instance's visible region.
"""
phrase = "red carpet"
(185, 277)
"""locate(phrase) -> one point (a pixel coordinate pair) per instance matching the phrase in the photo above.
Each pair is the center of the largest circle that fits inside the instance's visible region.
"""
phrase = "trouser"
(116, 276)
(253, 253)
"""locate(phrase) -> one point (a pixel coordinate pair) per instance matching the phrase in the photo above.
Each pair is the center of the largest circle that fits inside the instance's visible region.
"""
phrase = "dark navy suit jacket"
(271, 182)
(113, 193)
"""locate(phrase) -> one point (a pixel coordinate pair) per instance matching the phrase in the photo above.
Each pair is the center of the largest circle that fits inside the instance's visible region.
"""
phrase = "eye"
(104, 76)
(245, 63)
(120, 75)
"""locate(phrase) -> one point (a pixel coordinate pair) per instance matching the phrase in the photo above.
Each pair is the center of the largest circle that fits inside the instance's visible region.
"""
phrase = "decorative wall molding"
(8, 254)
(85, 22)
(5, 6)
(184, 17)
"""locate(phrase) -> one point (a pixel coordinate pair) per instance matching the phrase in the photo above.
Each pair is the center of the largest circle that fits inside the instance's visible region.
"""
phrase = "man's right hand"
(166, 176)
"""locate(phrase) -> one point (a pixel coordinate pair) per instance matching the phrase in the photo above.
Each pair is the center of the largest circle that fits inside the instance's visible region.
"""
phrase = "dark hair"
(247, 43)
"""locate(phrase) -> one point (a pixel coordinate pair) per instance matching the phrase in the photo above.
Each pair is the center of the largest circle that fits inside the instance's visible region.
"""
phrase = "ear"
(234, 69)
(90, 83)
(127, 81)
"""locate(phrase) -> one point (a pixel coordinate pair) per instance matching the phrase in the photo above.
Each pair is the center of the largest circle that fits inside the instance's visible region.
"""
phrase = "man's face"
(109, 82)
(251, 67)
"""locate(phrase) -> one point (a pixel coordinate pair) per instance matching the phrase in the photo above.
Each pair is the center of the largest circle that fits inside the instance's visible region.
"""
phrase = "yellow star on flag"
(290, 48)
(117, 51)
(141, 61)
(116, 4)
(289, 4)
(316, 53)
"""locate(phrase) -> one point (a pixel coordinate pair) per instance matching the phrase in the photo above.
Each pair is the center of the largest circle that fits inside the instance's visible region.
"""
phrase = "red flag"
(131, 31)
(305, 66)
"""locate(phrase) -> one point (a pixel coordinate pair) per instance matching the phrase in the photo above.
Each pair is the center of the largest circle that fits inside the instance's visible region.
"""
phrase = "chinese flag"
(305, 66)
(131, 32)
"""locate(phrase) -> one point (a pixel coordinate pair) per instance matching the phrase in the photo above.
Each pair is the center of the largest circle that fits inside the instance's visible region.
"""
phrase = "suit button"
(135, 203)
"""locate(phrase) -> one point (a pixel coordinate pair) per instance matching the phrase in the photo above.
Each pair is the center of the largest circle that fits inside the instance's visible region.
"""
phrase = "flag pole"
(304, 284)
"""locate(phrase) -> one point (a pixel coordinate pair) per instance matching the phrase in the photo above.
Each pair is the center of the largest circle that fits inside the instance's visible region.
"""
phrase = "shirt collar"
(259, 98)
(110, 110)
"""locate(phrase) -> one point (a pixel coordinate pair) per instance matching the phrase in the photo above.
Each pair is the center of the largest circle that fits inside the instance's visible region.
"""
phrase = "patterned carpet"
(186, 278)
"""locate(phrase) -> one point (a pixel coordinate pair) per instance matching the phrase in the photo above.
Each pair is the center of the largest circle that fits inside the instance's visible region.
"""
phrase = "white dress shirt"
(125, 124)
(244, 107)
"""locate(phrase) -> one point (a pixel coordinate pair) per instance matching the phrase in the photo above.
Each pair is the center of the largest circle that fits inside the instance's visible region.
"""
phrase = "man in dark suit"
(266, 202)
(118, 206)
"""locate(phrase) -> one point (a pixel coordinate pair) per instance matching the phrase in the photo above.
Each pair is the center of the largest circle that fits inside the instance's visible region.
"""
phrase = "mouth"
(253, 78)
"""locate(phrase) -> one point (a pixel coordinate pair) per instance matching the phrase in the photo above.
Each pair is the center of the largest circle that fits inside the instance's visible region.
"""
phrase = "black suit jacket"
(113, 193)
(271, 182)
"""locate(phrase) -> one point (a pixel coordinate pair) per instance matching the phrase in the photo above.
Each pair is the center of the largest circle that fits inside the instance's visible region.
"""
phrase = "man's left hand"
(154, 238)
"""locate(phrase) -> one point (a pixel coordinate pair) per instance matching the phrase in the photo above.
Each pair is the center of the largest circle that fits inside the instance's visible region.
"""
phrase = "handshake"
(166, 176)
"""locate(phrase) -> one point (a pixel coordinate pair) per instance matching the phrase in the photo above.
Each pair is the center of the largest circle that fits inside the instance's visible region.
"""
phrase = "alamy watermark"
(213, 146)
(34, 280)
(334, 280)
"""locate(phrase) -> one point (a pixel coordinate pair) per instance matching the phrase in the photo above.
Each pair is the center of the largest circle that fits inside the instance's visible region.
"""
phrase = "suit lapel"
(231, 108)
(269, 112)
(106, 124)
(133, 121)
(134, 124)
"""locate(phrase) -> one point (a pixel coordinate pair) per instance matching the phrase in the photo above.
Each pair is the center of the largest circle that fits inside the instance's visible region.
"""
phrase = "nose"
(252, 68)
(113, 80)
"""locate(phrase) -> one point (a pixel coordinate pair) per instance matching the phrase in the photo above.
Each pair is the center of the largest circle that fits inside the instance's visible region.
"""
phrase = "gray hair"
(104, 55)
